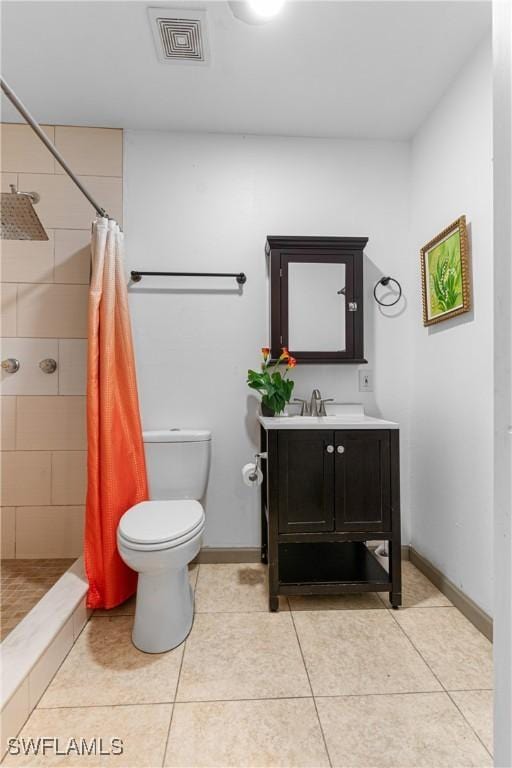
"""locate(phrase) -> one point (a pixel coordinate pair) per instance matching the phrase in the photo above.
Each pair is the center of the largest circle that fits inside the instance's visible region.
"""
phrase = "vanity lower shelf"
(331, 568)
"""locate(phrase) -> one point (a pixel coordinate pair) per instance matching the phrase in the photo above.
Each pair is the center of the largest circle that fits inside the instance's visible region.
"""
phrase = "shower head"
(19, 219)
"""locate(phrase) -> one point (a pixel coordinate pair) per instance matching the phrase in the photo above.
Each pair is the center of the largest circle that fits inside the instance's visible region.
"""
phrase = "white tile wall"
(23, 152)
(50, 423)
(44, 314)
(8, 422)
(49, 531)
(72, 255)
(62, 205)
(6, 179)
(26, 477)
(8, 294)
(49, 310)
(29, 379)
(27, 261)
(69, 477)
(7, 519)
(72, 366)
(91, 151)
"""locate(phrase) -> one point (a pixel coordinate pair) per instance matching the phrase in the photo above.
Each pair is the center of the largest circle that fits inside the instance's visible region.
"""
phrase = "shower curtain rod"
(48, 144)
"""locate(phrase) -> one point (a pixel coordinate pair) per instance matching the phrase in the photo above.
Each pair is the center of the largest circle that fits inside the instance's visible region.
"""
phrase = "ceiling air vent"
(180, 36)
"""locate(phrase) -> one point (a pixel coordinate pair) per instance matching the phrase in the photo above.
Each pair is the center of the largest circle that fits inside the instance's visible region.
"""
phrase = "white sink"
(340, 416)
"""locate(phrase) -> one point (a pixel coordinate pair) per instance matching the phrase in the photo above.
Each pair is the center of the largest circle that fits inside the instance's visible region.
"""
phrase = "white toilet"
(160, 537)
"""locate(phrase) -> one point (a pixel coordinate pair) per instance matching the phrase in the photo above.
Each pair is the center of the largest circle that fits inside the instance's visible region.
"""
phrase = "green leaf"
(274, 388)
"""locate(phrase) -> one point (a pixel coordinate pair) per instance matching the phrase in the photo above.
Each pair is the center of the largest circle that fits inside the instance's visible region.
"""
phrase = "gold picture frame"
(445, 283)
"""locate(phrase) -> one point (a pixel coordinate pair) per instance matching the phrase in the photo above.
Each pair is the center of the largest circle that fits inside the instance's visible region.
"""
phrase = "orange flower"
(284, 353)
(265, 351)
(291, 362)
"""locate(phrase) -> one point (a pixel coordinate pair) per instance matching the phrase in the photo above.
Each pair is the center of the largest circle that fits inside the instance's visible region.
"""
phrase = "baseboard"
(406, 552)
(481, 620)
(229, 555)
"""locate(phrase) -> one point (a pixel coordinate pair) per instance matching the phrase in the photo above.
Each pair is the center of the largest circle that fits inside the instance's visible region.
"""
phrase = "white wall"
(206, 203)
(452, 386)
(502, 48)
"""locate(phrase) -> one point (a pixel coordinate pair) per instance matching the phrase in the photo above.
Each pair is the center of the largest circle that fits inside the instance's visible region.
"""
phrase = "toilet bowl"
(160, 537)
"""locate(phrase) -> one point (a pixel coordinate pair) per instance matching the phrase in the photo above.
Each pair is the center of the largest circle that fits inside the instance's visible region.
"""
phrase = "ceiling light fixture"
(266, 8)
(256, 11)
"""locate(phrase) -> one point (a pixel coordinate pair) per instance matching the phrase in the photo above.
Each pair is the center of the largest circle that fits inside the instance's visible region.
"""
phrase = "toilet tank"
(177, 462)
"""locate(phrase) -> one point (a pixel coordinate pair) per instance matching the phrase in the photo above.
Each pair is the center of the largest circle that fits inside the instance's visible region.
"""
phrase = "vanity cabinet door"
(363, 480)
(306, 481)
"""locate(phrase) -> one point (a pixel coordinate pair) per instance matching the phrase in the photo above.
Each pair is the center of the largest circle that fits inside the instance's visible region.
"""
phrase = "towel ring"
(385, 281)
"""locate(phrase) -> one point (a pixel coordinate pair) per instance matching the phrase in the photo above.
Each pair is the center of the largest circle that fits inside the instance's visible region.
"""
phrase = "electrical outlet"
(365, 380)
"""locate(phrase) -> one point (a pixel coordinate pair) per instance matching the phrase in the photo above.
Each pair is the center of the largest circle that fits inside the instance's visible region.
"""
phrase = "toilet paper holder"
(257, 465)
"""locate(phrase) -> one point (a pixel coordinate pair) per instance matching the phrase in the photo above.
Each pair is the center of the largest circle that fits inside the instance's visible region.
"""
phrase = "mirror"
(316, 306)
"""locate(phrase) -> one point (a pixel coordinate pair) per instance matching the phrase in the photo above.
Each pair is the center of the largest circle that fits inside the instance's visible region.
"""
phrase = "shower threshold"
(33, 651)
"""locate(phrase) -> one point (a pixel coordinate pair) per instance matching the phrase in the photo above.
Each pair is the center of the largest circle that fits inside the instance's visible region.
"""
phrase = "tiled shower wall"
(44, 314)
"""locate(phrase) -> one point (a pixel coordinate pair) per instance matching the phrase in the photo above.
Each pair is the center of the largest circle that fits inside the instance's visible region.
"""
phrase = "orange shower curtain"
(115, 460)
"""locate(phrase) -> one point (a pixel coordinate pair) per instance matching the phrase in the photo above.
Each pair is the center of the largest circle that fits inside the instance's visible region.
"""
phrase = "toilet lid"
(154, 522)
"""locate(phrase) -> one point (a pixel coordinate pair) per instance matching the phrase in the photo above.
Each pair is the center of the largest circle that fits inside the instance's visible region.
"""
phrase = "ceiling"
(331, 69)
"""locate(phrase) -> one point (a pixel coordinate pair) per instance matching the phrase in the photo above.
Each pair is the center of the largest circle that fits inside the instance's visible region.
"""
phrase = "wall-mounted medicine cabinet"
(316, 298)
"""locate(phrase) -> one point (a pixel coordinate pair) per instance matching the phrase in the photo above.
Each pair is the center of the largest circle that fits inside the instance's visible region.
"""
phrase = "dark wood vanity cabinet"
(334, 481)
(325, 494)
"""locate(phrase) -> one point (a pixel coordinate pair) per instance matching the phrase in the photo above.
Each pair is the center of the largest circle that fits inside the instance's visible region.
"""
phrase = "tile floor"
(325, 682)
(22, 585)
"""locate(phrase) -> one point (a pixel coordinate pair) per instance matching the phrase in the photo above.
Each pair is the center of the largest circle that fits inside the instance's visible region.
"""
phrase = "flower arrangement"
(275, 389)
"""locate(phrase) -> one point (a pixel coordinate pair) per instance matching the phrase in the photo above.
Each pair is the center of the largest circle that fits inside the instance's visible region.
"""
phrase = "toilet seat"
(163, 524)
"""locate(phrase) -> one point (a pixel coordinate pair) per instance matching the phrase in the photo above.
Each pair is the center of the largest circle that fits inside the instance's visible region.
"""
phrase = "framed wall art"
(445, 274)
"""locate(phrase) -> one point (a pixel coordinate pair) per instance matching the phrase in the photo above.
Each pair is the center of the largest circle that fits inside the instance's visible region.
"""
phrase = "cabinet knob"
(340, 449)
(330, 449)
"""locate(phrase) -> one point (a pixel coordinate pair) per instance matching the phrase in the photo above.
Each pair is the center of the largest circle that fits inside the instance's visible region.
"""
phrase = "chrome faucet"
(317, 403)
(316, 398)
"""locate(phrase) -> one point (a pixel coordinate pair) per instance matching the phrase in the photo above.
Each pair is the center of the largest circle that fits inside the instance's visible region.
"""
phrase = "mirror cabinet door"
(316, 306)
(316, 295)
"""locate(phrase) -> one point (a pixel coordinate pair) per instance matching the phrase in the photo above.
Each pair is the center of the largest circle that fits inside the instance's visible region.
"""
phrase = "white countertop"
(339, 416)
